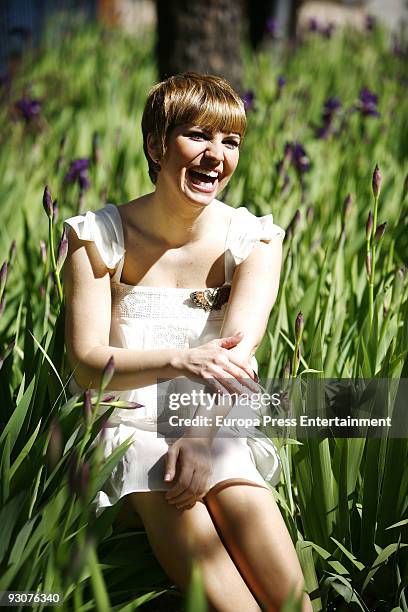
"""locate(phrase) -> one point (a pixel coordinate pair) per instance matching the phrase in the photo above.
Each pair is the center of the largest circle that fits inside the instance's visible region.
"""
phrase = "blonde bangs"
(218, 112)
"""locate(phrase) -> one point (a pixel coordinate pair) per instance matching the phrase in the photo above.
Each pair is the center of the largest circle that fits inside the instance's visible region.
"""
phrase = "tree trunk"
(200, 36)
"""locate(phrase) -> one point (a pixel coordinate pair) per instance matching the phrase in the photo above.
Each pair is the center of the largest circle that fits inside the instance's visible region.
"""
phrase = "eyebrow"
(208, 131)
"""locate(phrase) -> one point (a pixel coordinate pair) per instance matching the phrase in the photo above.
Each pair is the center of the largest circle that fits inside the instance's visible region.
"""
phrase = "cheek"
(188, 150)
(232, 160)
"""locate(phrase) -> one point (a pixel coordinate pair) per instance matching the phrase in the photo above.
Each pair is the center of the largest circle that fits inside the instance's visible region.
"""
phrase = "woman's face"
(198, 162)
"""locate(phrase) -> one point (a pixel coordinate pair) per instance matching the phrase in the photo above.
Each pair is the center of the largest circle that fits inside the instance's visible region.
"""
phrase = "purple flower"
(327, 30)
(379, 232)
(370, 22)
(281, 82)
(299, 324)
(108, 372)
(3, 277)
(272, 27)
(47, 202)
(313, 25)
(87, 406)
(78, 171)
(368, 103)
(248, 99)
(330, 108)
(62, 250)
(368, 262)
(84, 182)
(28, 108)
(369, 225)
(376, 181)
(300, 160)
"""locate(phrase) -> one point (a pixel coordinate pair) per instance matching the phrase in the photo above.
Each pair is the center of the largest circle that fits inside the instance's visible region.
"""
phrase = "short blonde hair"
(200, 99)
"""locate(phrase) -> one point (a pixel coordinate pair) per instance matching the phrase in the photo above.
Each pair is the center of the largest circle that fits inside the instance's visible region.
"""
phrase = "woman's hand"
(217, 363)
(188, 464)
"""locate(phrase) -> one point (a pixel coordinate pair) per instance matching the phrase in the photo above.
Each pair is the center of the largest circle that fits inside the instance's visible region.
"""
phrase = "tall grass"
(344, 500)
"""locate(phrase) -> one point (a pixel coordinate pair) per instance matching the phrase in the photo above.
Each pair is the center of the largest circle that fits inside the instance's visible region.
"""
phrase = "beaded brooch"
(211, 299)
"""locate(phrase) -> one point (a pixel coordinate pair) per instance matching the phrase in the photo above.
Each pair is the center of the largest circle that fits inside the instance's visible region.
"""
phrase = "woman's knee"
(178, 537)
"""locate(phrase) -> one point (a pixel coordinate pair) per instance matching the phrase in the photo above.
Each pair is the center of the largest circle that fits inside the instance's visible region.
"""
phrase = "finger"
(230, 341)
(189, 493)
(187, 506)
(247, 370)
(183, 482)
(241, 371)
(244, 379)
(225, 378)
(196, 489)
(171, 462)
(215, 384)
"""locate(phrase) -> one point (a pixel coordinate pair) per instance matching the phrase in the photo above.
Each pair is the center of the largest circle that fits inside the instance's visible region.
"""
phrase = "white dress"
(158, 318)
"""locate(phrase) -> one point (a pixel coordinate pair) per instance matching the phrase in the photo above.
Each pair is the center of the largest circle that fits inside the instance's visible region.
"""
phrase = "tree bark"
(200, 36)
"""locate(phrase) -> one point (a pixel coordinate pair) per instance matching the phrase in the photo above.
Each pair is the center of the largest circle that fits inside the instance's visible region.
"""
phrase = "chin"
(199, 197)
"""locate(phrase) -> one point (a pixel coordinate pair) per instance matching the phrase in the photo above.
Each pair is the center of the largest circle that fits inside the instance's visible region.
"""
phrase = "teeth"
(210, 173)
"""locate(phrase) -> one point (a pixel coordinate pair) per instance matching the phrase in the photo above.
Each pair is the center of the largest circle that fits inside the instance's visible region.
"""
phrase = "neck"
(173, 220)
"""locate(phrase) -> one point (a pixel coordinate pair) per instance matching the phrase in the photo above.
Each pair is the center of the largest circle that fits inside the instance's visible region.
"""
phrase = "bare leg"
(254, 532)
(176, 536)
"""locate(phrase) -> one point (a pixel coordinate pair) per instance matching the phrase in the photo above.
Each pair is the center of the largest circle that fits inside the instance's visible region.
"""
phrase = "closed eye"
(198, 135)
(233, 143)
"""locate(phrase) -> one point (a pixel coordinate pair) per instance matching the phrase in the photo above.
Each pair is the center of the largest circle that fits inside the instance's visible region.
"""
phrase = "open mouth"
(204, 181)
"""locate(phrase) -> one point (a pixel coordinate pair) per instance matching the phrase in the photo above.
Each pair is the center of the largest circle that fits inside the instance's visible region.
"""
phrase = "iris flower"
(248, 99)
(29, 108)
(300, 160)
(78, 171)
(272, 27)
(330, 109)
(368, 103)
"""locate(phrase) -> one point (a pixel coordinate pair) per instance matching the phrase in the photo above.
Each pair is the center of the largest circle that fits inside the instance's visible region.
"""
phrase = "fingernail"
(167, 477)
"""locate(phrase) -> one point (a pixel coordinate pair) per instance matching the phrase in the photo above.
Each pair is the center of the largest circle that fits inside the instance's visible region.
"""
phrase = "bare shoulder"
(224, 209)
(81, 252)
(131, 212)
(223, 214)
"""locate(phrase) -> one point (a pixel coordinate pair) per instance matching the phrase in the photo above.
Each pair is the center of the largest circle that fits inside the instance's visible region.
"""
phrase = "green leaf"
(13, 426)
(196, 600)
(399, 524)
(380, 560)
(9, 515)
(24, 452)
(102, 603)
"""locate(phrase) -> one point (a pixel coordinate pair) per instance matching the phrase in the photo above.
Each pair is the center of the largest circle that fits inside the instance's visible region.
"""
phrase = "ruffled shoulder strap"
(104, 228)
(245, 231)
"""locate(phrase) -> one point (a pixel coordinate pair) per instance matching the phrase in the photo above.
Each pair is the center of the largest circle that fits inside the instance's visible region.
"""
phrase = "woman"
(135, 280)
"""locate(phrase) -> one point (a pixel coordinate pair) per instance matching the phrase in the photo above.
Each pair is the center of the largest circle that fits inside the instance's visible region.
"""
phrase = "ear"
(153, 147)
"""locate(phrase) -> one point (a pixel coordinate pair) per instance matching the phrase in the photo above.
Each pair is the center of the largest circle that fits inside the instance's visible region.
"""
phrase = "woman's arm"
(87, 325)
(255, 286)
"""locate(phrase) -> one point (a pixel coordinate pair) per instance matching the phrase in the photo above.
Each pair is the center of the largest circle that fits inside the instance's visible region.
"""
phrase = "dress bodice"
(144, 317)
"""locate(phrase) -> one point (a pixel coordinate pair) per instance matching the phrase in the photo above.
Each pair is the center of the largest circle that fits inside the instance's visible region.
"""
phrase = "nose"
(214, 150)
